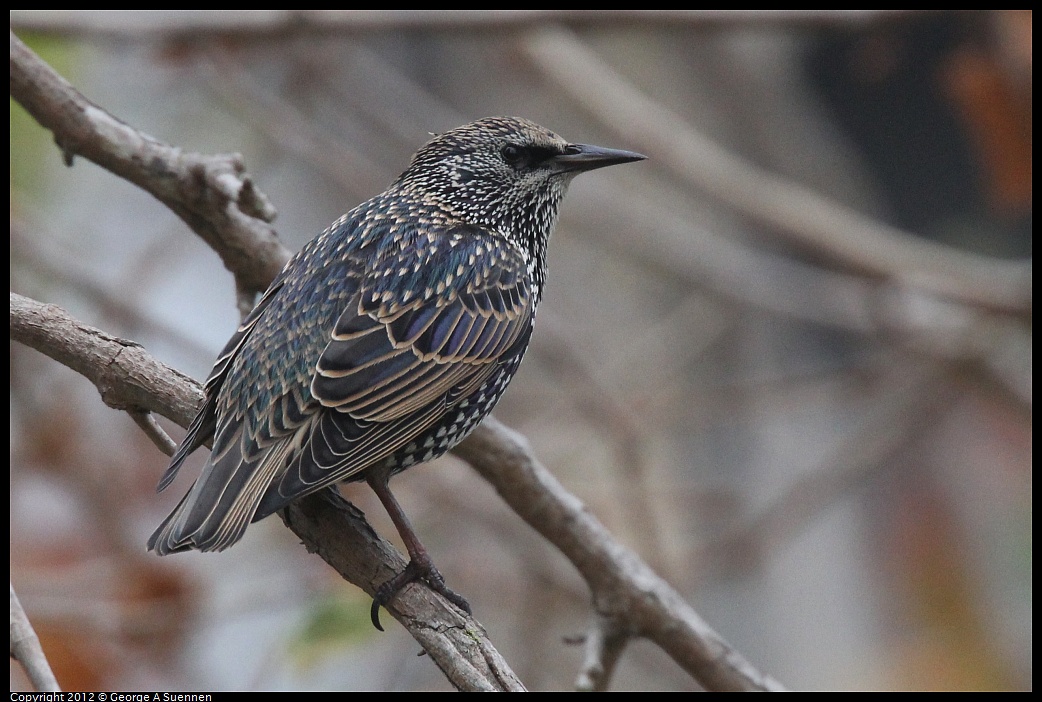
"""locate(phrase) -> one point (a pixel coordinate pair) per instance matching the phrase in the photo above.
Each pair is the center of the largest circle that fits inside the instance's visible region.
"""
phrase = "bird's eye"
(513, 154)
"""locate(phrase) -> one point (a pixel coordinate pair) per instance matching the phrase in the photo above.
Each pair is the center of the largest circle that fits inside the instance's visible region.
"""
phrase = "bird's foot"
(413, 572)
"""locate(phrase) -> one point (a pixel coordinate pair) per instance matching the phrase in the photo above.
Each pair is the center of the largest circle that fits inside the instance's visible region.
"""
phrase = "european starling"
(385, 340)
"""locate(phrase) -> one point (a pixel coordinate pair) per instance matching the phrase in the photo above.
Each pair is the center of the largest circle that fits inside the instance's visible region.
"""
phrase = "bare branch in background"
(33, 250)
(900, 412)
(25, 648)
(936, 299)
(261, 23)
(810, 220)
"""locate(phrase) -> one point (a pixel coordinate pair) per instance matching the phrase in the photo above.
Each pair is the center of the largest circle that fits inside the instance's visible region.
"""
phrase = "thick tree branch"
(127, 377)
(212, 194)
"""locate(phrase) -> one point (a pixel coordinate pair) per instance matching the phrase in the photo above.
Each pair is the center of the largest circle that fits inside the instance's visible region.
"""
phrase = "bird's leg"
(420, 566)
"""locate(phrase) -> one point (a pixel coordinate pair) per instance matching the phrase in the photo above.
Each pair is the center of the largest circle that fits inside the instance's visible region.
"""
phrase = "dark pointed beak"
(584, 157)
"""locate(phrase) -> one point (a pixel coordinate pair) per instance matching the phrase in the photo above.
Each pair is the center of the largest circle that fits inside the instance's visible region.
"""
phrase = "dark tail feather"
(168, 538)
(222, 503)
(202, 523)
(199, 432)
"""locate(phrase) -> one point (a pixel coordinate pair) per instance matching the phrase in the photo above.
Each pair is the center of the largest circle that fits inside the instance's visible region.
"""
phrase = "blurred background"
(787, 359)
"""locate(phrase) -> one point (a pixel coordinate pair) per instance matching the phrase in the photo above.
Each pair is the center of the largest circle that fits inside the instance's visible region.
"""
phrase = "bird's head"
(507, 173)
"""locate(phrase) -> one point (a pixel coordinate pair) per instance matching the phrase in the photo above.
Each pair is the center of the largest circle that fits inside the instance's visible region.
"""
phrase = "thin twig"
(149, 425)
(602, 648)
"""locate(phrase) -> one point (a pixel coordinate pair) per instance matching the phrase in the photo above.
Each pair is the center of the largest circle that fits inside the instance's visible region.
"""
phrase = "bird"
(384, 341)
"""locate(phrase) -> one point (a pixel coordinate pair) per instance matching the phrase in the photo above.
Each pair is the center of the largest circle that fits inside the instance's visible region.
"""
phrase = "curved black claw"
(412, 573)
(374, 614)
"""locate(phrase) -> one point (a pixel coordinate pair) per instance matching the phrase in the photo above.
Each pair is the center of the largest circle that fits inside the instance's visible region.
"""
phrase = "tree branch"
(625, 590)
(213, 194)
(126, 376)
(26, 649)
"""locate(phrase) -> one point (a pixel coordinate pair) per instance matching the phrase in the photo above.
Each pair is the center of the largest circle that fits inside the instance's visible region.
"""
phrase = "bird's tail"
(222, 503)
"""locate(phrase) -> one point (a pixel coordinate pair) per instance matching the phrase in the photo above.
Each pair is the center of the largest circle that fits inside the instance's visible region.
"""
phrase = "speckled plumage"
(388, 337)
